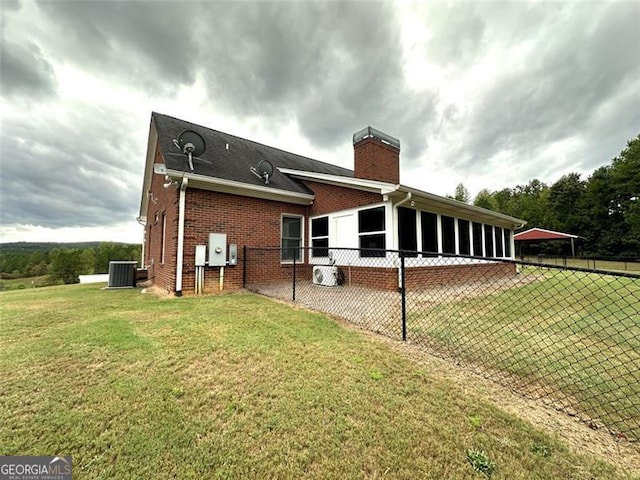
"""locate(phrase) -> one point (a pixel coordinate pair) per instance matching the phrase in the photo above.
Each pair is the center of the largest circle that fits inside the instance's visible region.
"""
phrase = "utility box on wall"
(233, 254)
(201, 255)
(217, 249)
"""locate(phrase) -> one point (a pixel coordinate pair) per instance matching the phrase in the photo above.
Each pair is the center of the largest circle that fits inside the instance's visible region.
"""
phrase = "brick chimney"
(376, 156)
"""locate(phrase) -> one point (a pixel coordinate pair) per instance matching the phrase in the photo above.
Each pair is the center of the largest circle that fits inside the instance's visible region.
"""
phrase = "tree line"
(61, 263)
(604, 208)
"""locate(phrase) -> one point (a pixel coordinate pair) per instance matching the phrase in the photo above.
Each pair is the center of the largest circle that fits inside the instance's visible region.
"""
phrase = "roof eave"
(152, 145)
(560, 235)
(222, 185)
(382, 188)
(457, 207)
(444, 204)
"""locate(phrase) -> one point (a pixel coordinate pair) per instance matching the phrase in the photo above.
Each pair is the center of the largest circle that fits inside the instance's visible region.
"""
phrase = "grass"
(238, 386)
(589, 263)
(575, 333)
(27, 282)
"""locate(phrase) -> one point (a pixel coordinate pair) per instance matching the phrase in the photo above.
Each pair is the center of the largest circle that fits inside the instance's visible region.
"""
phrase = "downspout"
(144, 240)
(397, 233)
(183, 188)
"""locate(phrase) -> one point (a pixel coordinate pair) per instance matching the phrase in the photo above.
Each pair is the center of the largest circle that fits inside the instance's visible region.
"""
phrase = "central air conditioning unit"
(326, 275)
(122, 274)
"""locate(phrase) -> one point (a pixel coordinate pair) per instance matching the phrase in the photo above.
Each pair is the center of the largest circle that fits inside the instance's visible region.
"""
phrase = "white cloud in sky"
(488, 94)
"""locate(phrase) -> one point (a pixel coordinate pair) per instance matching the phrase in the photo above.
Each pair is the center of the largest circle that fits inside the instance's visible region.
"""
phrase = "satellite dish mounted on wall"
(264, 171)
(192, 145)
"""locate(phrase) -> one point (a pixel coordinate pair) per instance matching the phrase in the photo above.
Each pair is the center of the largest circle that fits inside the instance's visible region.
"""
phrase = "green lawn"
(588, 263)
(572, 335)
(238, 386)
(27, 282)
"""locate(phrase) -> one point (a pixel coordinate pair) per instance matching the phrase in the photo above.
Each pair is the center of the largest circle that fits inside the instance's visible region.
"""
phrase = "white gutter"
(180, 255)
(143, 221)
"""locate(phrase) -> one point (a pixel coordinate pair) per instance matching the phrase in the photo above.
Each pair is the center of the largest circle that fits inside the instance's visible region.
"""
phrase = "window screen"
(407, 231)
(429, 232)
(320, 237)
(499, 240)
(488, 240)
(477, 239)
(507, 242)
(448, 234)
(464, 245)
(371, 230)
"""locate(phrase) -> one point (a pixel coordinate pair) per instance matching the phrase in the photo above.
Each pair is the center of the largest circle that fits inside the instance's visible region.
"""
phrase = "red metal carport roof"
(542, 234)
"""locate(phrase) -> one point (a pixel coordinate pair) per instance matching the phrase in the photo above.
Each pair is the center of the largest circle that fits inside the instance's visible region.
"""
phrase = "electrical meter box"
(217, 249)
(201, 255)
(233, 254)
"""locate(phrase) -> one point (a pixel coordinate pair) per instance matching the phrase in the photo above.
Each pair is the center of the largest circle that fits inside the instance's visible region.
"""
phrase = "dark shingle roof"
(235, 163)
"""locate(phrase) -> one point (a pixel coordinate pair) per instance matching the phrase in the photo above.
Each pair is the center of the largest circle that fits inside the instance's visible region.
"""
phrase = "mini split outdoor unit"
(326, 275)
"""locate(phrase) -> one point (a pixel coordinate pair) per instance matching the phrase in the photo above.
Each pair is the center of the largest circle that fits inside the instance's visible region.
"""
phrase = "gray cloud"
(25, 71)
(334, 67)
(68, 172)
(148, 45)
(574, 73)
(330, 68)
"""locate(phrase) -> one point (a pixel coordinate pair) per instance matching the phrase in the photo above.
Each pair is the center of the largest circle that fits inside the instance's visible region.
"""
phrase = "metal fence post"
(403, 292)
(244, 266)
(294, 275)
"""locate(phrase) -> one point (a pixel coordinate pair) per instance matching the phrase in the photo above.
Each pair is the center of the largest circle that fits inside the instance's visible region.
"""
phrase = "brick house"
(301, 203)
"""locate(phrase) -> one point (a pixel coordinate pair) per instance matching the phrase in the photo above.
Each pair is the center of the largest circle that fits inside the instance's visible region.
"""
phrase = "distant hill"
(28, 247)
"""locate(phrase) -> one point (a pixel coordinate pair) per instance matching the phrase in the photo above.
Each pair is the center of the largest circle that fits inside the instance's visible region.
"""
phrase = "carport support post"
(403, 292)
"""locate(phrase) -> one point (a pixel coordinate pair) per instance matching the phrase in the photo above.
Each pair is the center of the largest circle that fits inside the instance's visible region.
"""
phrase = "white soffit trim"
(152, 143)
(206, 182)
(442, 204)
(340, 181)
(455, 207)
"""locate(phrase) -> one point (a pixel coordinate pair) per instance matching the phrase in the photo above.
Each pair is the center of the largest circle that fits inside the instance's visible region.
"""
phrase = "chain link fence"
(566, 336)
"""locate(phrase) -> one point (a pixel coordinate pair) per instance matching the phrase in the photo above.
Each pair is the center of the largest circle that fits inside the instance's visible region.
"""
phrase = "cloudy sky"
(488, 94)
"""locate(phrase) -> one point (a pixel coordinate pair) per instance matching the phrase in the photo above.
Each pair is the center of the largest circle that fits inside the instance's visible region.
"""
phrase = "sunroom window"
(320, 237)
(371, 232)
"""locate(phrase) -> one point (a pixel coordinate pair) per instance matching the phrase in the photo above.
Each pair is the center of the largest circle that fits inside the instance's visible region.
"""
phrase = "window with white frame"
(448, 234)
(320, 237)
(464, 240)
(291, 235)
(371, 232)
(407, 231)
(488, 240)
(429, 227)
(476, 231)
(507, 243)
(499, 240)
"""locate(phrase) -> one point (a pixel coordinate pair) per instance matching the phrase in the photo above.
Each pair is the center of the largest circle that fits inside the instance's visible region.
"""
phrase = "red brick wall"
(164, 200)
(375, 160)
(379, 278)
(416, 278)
(421, 277)
(330, 198)
(246, 221)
